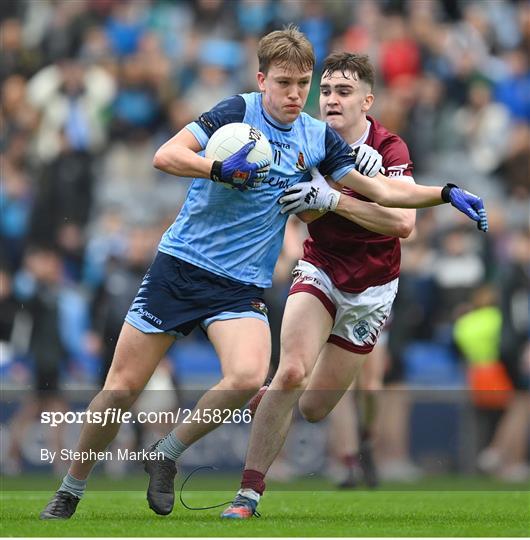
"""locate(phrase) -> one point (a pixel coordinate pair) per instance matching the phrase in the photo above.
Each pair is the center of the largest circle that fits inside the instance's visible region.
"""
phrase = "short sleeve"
(225, 112)
(396, 158)
(339, 159)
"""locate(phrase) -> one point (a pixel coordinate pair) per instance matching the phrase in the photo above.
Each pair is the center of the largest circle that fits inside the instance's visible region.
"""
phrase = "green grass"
(208, 480)
(284, 513)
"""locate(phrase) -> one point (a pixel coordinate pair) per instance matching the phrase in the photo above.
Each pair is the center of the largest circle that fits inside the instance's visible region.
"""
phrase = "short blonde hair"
(289, 47)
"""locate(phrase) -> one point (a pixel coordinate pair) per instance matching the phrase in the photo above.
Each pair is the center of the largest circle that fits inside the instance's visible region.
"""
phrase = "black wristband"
(215, 173)
(445, 192)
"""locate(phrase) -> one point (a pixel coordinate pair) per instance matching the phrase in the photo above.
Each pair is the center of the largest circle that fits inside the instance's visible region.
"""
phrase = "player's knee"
(313, 415)
(311, 411)
(121, 391)
(292, 376)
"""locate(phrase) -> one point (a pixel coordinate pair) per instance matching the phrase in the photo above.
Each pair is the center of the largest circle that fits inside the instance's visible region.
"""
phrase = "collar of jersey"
(364, 136)
(274, 123)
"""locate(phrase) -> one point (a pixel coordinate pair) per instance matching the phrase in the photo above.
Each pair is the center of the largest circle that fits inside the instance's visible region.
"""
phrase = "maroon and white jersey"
(352, 256)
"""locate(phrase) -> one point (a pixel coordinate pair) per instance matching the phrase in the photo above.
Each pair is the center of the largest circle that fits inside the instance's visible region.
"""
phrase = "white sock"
(249, 494)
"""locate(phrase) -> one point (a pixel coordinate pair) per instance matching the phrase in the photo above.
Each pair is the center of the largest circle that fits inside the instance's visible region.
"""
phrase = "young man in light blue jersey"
(220, 252)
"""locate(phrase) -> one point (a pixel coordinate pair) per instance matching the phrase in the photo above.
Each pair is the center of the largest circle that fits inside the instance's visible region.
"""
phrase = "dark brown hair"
(350, 62)
(288, 47)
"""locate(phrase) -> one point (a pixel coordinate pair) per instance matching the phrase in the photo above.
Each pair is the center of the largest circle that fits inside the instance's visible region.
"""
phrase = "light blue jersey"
(236, 234)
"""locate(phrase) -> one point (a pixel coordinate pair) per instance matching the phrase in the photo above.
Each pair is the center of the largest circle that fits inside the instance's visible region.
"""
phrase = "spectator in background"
(507, 454)
(316, 25)
(71, 98)
(106, 239)
(38, 288)
(9, 307)
(16, 58)
(428, 129)
(254, 16)
(214, 19)
(362, 35)
(16, 200)
(513, 169)
(135, 110)
(96, 48)
(515, 288)
(477, 336)
(399, 55)
(482, 125)
(217, 62)
(125, 26)
(62, 206)
(127, 175)
(523, 18)
(112, 299)
(17, 115)
(457, 270)
(66, 24)
(513, 90)
(173, 24)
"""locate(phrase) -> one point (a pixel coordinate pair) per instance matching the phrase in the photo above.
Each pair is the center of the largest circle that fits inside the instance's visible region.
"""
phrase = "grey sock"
(171, 447)
(73, 485)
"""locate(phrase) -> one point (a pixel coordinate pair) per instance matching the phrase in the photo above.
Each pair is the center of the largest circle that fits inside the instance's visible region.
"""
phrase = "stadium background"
(91, 88)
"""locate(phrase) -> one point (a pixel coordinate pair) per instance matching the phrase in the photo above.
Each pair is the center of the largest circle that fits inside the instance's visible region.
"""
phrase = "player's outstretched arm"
(318, 195)
(388, 192)
(397, 222)
(179, 157)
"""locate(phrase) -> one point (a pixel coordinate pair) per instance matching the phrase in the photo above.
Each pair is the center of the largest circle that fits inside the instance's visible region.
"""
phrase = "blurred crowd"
(91, 88)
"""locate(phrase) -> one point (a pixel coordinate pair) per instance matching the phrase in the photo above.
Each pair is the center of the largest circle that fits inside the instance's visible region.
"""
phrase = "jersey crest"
(300, 164)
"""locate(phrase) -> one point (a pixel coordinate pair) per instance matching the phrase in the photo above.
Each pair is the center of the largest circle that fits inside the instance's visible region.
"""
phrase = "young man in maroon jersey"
(344, 285)
(346, 96)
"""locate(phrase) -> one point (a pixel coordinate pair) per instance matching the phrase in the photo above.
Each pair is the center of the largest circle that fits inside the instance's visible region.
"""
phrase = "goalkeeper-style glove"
(237, 172)
(368, 160)
(314, 195)
(471, 205)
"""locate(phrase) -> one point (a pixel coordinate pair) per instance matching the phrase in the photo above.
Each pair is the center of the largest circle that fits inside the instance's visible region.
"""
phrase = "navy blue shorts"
(176, 296)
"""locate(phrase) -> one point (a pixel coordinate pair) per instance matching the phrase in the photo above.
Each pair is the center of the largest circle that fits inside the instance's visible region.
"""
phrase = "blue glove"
(471, 205)
(237, 172)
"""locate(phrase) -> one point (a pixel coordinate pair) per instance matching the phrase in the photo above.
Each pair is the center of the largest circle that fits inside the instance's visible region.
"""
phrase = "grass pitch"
(284, 513)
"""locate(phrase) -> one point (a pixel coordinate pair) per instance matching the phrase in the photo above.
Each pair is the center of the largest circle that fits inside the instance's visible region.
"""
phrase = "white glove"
(314, 195)
(368, 160)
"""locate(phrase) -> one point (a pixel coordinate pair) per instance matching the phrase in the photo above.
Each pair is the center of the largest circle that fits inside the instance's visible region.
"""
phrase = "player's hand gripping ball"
(242, 156)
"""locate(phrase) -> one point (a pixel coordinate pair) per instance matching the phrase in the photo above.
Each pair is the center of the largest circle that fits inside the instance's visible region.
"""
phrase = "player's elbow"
(404, 228)
(405, 231)
(160, 159)
(407, 223)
